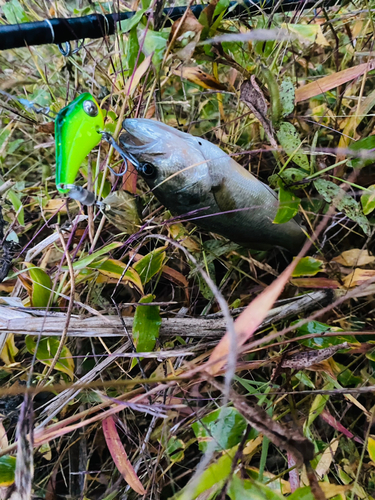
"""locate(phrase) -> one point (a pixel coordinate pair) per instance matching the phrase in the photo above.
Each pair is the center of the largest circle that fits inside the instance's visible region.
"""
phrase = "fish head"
(78, 129)
(169, 160)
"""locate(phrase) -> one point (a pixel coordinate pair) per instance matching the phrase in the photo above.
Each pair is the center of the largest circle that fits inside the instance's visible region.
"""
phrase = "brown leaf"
(3, 437)
(249, 320)
(46, 128)
(179, 233)
(195, 75)
(175, 276)
(358, 277)
(355, 257)
(133, 82)
(186, 36)
(332, 81)
(315, 283)
(254, 99)
(120, 456)
(56, 205)
(306, 359)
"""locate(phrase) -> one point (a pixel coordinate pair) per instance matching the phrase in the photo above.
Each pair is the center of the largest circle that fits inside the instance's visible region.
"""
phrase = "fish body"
(189, 174)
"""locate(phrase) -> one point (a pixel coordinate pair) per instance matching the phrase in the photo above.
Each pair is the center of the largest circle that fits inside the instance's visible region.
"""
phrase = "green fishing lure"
(78, 129)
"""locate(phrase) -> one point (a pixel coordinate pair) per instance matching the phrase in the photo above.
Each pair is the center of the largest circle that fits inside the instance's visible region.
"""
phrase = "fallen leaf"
(249, 320)
(56, 205)
(358, 277)
(306, 359)
(254, 99)
(179, 233)
(355, 257)
(327, 417)
(120, 456)
(186, 36)
(195, 75)
(332, 81)
(327, 458)
(177, 278)
(3, 437)
(311, 33)
(46, 128)
(331, 490)
(315, 283)
(133, 82)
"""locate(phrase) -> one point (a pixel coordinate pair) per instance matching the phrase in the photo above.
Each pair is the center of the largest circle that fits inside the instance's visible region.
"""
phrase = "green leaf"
(310, 32)
(133, 49)
(368, 200)
(17, 204)
(365, 144)
(287, 95)
(303, 493)
(133, 21)
(225, 426)
(371, 448)
(304, 379)
(115, 268)
(154, 43)
(14, 13)
(86, 261)
(221, 6)
(291, 143)
(343, 202)
(42, 286)
(213, 477)
(317, 407)
(4, 134)
(244, 489)
(321, 342)
(308, 266)
(47, 349)
(288, 205)
(146, 325)
(292, 176)
(346, 377)
(150, 264)
(175, 449)
(7, 470)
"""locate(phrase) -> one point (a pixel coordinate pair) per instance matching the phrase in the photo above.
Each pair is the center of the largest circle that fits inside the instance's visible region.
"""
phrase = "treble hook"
(125, 155)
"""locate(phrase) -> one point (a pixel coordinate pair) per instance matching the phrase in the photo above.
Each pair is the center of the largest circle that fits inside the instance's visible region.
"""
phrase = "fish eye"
(90, 108)
(148, 170)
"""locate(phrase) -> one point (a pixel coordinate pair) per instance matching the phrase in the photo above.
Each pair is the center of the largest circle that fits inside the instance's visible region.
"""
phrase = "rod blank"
(60, 30)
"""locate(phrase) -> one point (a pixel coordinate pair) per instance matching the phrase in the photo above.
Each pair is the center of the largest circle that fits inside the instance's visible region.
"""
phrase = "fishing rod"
(63, 30)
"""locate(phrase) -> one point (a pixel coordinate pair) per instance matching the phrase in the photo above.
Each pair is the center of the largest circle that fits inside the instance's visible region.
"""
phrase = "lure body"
(77, 128)
(188, 173)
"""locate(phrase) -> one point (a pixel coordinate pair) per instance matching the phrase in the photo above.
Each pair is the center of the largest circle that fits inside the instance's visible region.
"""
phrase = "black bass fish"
(187, 173)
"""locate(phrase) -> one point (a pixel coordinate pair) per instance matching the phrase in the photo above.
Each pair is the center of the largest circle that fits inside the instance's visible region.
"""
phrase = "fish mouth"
(138, 136)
